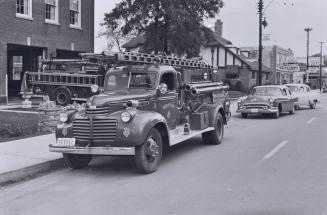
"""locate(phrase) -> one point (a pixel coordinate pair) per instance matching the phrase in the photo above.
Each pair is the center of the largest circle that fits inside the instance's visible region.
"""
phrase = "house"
(233, 66)
(34, 29)
(275, 58)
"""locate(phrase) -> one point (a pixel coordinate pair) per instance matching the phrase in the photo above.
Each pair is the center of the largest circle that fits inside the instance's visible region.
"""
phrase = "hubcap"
(152, 149)
(61, 98)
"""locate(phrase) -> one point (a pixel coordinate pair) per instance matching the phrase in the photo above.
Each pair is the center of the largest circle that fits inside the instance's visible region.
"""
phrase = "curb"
(30, 171)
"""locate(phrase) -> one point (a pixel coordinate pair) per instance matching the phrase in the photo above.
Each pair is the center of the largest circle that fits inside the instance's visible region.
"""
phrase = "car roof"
(276, 86)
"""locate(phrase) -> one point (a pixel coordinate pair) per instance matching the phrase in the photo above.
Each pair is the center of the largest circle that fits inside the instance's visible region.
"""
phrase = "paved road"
(264, 166)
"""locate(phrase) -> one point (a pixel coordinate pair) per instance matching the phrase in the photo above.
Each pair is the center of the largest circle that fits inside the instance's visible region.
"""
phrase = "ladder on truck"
(142, 58)
(62, 79)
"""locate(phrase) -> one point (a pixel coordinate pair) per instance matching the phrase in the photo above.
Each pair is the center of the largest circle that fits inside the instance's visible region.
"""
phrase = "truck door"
(167, 103)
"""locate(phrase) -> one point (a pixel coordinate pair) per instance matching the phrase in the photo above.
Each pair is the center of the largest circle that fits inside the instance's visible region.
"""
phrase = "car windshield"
(266, 91)
(126, 80)
(293, 88)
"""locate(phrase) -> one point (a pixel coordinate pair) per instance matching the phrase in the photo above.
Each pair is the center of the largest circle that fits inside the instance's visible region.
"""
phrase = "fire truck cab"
(144, 109)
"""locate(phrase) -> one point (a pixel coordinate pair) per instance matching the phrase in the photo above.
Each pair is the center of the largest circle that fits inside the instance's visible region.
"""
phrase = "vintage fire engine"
(64, 80)
(148, 103)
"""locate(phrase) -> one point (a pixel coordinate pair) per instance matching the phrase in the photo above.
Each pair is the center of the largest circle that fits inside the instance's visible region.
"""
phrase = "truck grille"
(97, 110)
(103, 129)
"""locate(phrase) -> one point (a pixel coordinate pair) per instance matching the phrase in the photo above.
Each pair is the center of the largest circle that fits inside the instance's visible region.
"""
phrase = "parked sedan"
(269, 99)
(306, 96)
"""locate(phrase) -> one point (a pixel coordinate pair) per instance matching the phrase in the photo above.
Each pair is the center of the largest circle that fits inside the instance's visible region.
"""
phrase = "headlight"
(239, 101)
(126, 117)
(63, 117)
(271, 101)
(94, 88)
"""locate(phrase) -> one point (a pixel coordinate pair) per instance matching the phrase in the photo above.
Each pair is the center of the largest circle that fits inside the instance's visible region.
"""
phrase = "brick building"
(34, 29)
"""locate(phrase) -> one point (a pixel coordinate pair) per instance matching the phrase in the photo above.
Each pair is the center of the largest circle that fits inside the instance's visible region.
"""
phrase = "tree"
(116, 37)
(171, 26)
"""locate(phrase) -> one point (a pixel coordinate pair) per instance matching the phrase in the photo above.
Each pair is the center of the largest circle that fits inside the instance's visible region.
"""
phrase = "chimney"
(219, 27)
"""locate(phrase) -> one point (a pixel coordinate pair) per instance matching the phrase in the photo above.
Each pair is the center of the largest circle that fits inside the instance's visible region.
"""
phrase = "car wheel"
(292, 111)
(75, 161)
(313, 105)
(244, 115)
(216, 136)
(62, 96)
(148, 155)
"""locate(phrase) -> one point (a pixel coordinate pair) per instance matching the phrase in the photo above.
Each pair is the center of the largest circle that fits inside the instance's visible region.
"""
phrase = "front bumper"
(257, 110)
(93, 150)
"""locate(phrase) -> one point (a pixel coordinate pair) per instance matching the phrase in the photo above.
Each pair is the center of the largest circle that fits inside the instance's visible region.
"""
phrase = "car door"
(167, 103)
(293, 99)
(286, 101)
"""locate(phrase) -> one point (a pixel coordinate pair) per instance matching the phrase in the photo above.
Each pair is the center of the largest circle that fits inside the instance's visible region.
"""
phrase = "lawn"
(17, 125)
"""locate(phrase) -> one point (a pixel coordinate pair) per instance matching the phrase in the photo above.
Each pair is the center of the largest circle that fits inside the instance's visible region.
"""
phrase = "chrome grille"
(97, 110)
(103, 129)
(255, 106)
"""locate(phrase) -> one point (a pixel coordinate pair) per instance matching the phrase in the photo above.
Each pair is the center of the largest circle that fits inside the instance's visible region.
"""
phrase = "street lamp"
(308, 43)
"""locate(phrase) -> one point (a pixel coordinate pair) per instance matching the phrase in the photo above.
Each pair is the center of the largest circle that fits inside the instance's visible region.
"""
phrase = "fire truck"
(147, 104)
(65, 80)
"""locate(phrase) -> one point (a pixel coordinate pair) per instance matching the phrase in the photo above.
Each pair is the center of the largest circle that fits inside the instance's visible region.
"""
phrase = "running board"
(177, 135)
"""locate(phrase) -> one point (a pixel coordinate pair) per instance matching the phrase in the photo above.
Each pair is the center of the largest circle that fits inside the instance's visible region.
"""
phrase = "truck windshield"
(267, 91)
(118, 81)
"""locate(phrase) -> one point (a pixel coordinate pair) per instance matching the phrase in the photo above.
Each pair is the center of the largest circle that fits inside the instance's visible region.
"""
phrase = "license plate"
(255, 110)
(68, 142)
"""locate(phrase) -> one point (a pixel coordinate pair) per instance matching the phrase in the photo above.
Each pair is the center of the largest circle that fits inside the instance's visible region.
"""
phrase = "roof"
(218, 40)
(254, 65)
(135, 42)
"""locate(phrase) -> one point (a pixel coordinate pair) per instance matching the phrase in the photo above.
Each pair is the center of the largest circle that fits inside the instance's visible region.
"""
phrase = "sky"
(286, 22)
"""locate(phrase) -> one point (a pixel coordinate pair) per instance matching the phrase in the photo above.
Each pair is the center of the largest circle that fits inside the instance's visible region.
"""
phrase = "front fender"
(213, 110)
(135, 132)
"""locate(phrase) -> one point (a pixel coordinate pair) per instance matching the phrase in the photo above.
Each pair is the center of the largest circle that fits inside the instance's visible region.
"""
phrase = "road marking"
(311, 120)
(275, 150)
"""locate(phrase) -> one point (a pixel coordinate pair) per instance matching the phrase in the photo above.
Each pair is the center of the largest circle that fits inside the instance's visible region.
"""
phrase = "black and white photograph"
(163, 107)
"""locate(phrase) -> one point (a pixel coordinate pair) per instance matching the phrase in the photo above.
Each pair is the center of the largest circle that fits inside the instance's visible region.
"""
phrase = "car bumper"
(93, 150)
(254, 111)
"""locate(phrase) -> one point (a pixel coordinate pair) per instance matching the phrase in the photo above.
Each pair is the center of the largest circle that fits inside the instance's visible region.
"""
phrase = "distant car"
(269, 99)
(306, 96)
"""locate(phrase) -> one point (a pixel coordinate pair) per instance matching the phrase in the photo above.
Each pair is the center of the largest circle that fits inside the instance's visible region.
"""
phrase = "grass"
(16, 125)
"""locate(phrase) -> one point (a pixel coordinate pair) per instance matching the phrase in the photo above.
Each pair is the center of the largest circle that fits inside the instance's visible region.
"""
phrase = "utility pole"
(308, 43)
(260, 12)
(320, 67)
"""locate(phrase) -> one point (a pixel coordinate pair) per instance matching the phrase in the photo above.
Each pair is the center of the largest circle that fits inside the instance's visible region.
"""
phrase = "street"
(264, 166)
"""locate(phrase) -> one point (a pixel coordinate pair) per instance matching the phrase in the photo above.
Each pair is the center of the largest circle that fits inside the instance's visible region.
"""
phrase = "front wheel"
(215, 137)
(313, 105)
(148, 155)
(63, 96)
(75, 161)
(244, 115)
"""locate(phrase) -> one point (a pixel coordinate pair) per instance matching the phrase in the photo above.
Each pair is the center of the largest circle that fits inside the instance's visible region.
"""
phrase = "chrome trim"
(93, 150)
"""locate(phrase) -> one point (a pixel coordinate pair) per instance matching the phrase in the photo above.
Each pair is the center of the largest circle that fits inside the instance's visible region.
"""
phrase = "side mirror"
(162, 89)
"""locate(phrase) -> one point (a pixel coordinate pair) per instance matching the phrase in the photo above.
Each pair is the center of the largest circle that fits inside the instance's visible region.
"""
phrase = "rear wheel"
(216, 136)
(293, 110)
(313, 105)
(244, 115)
(75, 161)
(62, 96)
(148, 155)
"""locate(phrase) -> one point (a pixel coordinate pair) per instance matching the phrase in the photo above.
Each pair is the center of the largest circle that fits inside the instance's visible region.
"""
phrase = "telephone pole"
(308, 43)
(320, 67)
(260, 12)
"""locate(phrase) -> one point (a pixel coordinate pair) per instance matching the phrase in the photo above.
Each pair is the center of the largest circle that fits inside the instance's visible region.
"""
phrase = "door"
(167, 102)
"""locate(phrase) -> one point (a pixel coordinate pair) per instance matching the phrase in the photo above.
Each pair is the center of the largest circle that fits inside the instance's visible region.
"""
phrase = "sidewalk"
(25, 158)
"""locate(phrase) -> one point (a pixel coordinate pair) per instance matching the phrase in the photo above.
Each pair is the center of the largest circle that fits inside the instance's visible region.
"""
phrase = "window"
(267, 77)
(51, 11)
(75, 13)
(169, 79)
(253, 75)
(24, 9)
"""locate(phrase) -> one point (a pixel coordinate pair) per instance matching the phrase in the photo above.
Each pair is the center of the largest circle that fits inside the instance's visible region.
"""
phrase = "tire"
(149, 154)
(62, 96)
(313, 105)
(244, 115)
(276, 115)
(75, 161)
(292, 111)
(216, 136)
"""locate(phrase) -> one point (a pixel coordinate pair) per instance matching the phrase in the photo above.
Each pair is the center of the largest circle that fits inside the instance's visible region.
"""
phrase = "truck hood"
(120, 97)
